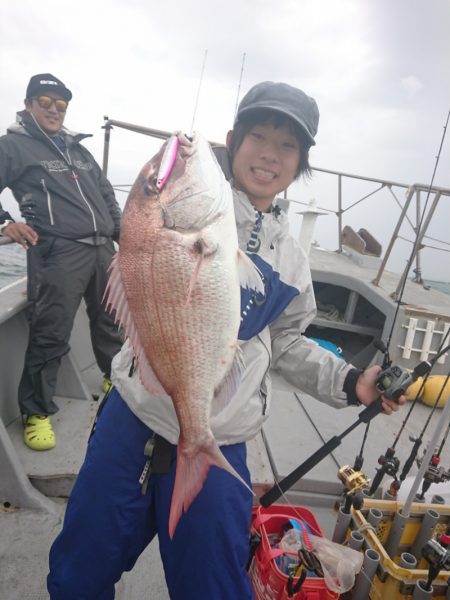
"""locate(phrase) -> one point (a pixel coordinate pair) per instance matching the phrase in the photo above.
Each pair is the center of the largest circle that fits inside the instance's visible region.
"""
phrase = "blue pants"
(108, 522)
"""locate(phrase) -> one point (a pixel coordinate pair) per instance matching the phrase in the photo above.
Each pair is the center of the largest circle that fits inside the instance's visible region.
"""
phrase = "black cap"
(45, 82)
(285, 99)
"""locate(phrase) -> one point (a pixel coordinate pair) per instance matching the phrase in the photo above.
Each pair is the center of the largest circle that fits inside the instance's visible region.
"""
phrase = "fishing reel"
(389, 465)
(354, 482)
(438, 558)
(394, 381)
(434, 474)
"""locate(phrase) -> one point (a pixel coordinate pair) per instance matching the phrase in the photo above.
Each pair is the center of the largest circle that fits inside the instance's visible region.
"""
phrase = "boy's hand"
(21, 233)
(367, 392)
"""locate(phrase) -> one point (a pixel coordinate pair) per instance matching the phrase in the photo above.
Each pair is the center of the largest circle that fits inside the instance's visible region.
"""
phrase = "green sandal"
(38, 433)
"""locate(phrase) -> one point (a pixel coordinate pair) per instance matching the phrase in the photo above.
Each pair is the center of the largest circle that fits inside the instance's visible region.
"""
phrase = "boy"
(107, 515)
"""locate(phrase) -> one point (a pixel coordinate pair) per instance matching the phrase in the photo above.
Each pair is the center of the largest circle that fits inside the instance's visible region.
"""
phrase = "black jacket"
(61, 194)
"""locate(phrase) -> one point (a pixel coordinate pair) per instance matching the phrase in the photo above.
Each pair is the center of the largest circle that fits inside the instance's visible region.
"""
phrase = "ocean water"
(13, 266)
(13, 263)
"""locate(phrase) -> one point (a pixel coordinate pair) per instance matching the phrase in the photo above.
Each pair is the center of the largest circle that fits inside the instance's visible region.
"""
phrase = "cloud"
(382, 85)
(411, 84)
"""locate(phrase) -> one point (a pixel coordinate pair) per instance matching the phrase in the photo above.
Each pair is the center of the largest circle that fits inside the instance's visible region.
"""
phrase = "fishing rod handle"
(277, 490)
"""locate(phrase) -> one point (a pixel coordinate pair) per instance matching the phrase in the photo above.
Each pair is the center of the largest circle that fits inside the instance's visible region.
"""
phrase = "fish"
(174, 285)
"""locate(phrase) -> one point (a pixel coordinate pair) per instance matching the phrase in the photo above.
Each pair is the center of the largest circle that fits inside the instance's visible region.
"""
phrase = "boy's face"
(266, 163)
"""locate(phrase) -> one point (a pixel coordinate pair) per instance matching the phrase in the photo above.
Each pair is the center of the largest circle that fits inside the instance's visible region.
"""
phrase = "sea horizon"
(13, 266)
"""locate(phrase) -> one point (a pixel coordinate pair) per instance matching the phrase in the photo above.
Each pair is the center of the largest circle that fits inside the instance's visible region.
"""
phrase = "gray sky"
(379, 70)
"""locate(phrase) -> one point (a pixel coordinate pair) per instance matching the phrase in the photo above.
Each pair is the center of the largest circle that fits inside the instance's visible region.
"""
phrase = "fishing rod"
(198, 90)
(392, 383)
(239, 85)
(389, 463)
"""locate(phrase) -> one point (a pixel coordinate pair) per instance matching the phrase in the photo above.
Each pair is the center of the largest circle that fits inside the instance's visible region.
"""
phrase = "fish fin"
(249, 274)
(116, 300)
(190, 476)
(230, 383)
(194, 278)
(204, 245)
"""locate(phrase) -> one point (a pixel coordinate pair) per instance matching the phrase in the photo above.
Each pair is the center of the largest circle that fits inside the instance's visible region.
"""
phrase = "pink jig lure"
(167, 161)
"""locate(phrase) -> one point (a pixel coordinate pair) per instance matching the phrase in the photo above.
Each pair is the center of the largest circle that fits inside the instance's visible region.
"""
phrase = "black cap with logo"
(46, 82)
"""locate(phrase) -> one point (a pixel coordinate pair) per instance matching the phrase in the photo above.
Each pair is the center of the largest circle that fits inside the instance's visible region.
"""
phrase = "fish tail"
(190, 476)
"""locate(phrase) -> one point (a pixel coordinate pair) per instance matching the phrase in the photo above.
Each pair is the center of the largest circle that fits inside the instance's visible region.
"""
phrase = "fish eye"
(150, 188)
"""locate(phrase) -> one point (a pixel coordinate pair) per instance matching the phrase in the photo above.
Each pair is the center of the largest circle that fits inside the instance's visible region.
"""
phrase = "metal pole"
(418, 242)
(339, 216)
(418, 277)
(107, 127)
(411, 190)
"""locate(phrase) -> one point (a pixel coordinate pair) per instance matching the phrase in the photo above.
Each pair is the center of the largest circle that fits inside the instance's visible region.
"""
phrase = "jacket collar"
(25, 125)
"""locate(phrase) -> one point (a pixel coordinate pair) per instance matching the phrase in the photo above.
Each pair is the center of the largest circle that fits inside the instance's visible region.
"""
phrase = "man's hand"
(367, 392)
(21, 233)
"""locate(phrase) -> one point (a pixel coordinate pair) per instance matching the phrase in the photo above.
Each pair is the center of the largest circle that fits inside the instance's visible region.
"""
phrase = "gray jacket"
(64, 194)
(271, 340)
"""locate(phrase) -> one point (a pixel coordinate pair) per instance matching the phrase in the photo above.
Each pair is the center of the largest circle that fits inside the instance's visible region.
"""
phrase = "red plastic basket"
(269, 583)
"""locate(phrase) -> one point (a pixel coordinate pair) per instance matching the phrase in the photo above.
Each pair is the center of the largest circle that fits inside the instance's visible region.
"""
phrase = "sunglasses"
(47, 101)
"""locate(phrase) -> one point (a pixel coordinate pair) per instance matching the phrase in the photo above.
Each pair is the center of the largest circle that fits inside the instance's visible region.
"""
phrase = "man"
(71, 219)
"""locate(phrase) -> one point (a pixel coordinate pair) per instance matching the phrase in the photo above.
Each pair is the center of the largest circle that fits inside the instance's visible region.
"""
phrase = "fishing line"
(444, 439)
(308, 416)
(416, 243)
(198, 91)
(386, 360)
(239, 85)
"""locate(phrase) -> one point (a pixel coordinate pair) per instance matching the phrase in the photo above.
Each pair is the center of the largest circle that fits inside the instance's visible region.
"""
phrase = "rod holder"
(342, 525)
(395, 534)
(420, 591)
(388, 496)
(436, 499)
(430, 518)
(374, 517)
(355, 540)
(365, 577)
(408, 561)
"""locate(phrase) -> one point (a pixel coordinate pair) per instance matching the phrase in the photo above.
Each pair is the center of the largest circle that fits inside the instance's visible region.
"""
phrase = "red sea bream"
(175, 286)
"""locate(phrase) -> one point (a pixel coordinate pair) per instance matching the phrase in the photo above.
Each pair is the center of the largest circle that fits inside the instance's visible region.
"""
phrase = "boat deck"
(298, 426)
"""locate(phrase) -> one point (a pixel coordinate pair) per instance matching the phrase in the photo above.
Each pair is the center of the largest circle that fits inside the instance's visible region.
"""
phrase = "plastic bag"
(291, 542)
(339, 563)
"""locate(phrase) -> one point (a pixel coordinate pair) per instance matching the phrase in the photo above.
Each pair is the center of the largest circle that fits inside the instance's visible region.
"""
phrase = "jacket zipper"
(75, 178)
(49, 201)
